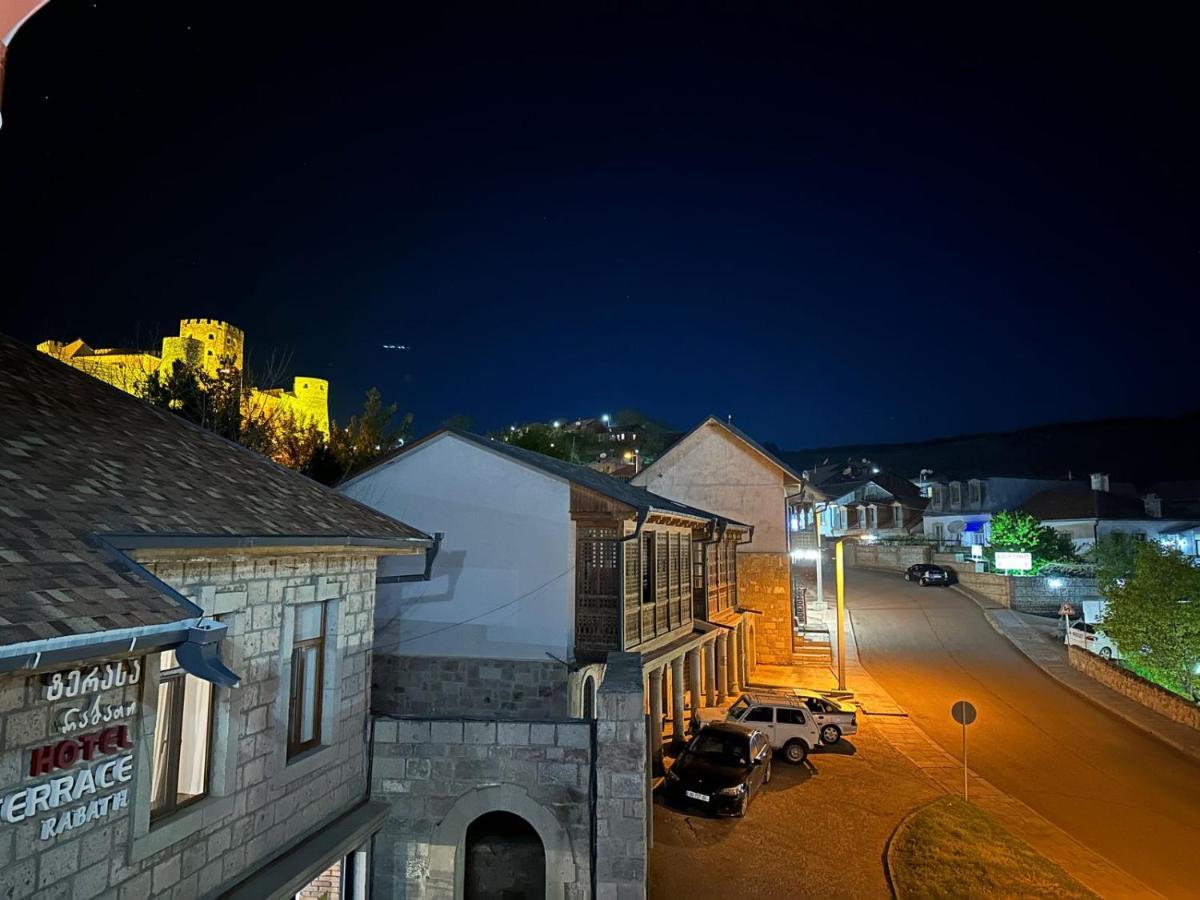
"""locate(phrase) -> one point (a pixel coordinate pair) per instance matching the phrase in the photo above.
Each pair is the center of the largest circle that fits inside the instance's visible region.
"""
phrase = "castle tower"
(205, 342)
(312, 400)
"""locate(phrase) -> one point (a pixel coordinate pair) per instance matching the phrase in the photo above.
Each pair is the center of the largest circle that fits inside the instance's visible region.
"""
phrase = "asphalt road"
(1121, 792)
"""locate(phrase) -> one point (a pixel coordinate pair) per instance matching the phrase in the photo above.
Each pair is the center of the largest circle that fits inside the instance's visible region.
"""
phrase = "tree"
(352, 448)
(1015, 531)
(539, 439)
(212, 402)
(1155, 616)
(1114, 556)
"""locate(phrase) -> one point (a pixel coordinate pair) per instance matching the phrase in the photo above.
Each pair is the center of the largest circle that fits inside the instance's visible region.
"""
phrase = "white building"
(545, 568)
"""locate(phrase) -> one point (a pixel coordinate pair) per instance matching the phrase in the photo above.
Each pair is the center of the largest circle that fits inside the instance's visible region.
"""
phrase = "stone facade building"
(185, 654)
(716, 466)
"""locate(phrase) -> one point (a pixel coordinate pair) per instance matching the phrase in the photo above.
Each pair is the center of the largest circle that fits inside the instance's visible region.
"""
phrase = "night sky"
(835, 222)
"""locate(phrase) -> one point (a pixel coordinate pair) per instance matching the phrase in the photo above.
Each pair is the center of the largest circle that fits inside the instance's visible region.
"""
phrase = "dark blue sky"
(838, 224)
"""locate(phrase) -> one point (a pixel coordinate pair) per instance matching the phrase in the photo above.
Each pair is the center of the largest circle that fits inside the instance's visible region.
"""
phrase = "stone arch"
(588, 710)
(577, 684)
(447, 853)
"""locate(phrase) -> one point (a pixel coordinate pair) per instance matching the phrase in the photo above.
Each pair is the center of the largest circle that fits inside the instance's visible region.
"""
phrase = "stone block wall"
(890, 558)
(581, 785)
(1043, 595)
(997, 588)
(622, 785)
(1135, 687)
(258, 805)
(459, 686)
(764, 583)
(439, 775)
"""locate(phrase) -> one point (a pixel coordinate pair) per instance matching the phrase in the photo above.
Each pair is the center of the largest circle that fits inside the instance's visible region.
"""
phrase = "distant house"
(717, 466)
(868, 500)
(959, 511)
(1090, 515)
(546, 568)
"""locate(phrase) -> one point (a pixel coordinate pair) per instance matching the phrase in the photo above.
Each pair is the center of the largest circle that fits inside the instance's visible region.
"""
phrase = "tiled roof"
(1060, 504)
(84, 466)
(614, 488)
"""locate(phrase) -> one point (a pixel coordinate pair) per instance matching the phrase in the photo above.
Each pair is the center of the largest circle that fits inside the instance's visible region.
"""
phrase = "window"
(935, 496)
(955, 494)
(182, 735)
(308, 677)
(211, 336)
(974, 493)
(649, 564)
(789, 716)
(760, 714)
(898, 515)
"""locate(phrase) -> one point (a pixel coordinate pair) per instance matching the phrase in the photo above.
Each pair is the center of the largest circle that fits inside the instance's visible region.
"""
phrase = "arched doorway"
(589, 698)
(505, 859)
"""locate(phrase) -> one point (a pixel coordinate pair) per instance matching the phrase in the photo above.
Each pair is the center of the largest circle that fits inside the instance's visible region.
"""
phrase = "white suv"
(788, 721)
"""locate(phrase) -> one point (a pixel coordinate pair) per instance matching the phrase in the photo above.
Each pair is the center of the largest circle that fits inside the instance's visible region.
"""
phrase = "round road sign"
(963, 712)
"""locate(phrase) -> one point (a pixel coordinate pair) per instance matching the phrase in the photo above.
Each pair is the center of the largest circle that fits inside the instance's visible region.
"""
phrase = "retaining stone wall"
(1135, 687)
(459, 686)
(892, 558)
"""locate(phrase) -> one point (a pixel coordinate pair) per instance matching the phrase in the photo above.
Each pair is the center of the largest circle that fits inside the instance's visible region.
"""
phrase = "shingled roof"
(87, 470)
(606, 485)
(1059, 504)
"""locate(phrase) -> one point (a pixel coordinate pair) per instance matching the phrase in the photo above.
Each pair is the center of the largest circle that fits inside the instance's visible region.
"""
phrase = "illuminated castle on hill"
(207, 344)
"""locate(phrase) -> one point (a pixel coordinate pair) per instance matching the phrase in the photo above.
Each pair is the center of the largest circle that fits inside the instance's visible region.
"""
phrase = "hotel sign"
(74, 795)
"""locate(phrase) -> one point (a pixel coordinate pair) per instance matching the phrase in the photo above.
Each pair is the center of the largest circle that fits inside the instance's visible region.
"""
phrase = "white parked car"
(796, 721)
(1089, 637)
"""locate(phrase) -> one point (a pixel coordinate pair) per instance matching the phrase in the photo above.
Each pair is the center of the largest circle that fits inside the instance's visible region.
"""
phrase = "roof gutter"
(248, 542)
(195, 646)
(431, 553)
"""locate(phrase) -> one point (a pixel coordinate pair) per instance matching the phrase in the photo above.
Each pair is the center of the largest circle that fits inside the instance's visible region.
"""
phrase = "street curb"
(891, 843)
(1190, 752)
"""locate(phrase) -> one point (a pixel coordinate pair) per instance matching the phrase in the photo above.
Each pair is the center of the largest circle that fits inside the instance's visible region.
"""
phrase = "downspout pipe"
(431, 553)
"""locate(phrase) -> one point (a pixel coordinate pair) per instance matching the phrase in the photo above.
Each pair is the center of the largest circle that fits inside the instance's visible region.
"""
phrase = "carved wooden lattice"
(596, 589)
(633, 591)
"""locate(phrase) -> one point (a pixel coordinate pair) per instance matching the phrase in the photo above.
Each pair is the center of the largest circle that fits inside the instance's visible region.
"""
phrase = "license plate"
(702, 797)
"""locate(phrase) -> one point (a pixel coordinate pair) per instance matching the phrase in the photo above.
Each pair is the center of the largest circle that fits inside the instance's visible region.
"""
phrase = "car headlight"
(736, 791)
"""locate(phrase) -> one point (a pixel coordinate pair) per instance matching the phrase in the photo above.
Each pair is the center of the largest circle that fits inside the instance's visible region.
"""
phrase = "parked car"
(927, 574)
(1089, 637)
(835, 718)
(722, 769)
(790, 723)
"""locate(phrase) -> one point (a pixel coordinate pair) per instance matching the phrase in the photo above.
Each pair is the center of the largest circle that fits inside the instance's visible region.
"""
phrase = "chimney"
(1100, 481)
(1153, 504)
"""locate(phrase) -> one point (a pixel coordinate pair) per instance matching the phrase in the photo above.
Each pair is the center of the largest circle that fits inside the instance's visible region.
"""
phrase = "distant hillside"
(1138, 450)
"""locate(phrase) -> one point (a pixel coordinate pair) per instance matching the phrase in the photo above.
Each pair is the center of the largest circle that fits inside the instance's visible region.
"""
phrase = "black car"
(721, 769)
(927, 574)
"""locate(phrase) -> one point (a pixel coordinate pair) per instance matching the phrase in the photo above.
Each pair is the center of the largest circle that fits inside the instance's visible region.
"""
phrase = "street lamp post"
(841, 614)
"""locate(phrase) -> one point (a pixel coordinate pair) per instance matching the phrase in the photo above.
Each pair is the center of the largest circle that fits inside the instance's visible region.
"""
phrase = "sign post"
(1066, 611)
(964, 714)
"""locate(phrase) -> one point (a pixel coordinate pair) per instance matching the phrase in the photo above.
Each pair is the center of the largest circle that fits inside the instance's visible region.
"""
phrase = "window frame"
(649, 591)
(295, 723)
(173, 718)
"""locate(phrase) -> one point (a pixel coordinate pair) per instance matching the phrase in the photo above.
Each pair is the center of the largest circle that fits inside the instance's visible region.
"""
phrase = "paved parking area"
(817, 830)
